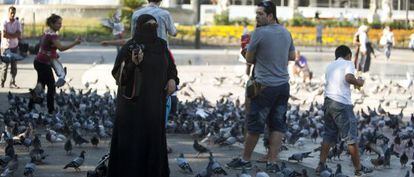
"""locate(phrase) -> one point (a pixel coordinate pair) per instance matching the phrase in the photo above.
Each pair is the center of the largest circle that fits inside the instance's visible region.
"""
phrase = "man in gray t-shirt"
(270, 48)
(164, 19)
(271, 45)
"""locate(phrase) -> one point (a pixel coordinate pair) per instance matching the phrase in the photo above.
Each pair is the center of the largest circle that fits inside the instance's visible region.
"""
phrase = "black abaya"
(138, 146)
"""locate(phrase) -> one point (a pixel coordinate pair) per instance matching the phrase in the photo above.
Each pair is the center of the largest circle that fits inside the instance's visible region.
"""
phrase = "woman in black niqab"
(138, 145)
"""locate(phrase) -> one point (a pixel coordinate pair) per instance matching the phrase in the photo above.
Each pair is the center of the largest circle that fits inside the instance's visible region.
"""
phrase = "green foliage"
(242, 21)
(376, 25)
(336, 23)
(399, 25)
(128, 8)
(222, 19)
(301, 22)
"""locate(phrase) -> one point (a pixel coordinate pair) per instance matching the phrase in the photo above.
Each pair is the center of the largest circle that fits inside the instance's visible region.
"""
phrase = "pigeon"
(11, 167)
(79, 140)
(205, 173)
(9, 149)
(183, 164)
(27, 142)
(244, 173)
(95, 141)
(77, 162)
(412, 167)
(37, 155)
(4, 160)
(326, 172)
(378, 161)
(199, 148)
(338, 172)
(215, 166)
(260, 173)
(53, 137)
(68, 146)
(299, 156)
(36, 142)
(403, 159)
(29, 169)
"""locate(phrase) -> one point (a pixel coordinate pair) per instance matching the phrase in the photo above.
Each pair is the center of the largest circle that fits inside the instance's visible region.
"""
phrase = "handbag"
(253, 87)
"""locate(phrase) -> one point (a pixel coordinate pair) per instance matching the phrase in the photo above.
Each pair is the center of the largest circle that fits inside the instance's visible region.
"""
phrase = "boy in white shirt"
(340, 121)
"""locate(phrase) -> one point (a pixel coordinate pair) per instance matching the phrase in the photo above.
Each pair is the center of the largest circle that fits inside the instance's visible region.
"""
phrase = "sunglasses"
(266, 4)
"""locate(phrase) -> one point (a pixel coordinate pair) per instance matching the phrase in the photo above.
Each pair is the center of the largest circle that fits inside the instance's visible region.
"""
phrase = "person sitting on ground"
(301, 67)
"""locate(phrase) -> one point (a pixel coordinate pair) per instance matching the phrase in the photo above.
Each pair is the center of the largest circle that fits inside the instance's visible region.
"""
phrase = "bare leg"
(353, 150)
(249, 145)
(324, 152)
(275, 143)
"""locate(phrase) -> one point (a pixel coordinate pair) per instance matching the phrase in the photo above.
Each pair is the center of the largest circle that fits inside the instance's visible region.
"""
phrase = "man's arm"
(350, 78)
(292, 50)
(250, 57)
(7, 35)
(172, 31)
(292, 55)
(117, 42)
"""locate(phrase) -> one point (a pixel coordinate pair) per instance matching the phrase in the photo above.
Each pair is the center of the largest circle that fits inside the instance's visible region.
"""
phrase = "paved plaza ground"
(88, 63)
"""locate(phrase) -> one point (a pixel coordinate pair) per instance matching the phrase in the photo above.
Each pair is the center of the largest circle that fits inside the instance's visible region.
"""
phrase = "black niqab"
(145, 33)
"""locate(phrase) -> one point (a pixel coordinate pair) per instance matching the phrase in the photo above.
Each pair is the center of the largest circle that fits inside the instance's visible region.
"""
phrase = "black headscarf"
(145, 33)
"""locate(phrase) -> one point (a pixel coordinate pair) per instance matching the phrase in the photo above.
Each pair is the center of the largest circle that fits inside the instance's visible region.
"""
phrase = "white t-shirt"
(336, 87)
(363, 40)
(10, 27)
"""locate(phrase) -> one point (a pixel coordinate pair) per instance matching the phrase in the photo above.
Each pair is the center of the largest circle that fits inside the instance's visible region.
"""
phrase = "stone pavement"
(85, 64)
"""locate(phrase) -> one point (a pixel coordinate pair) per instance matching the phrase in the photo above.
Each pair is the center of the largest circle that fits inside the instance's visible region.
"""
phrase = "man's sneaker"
(363, 171)
(320, 168)
(272, 167)
(239, 164)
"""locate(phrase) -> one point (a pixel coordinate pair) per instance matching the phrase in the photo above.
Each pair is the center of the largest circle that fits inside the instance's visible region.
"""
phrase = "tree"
(128, 7)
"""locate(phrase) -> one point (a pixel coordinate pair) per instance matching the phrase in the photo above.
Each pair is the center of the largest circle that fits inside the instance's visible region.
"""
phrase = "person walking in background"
(357, 47)
(270, 48)
(365, 49)
(11, 33)
(164, 18)
(340, 121)
(49, 43)
(387, 40)
(319, 35)
(148, 76)
(411, 44)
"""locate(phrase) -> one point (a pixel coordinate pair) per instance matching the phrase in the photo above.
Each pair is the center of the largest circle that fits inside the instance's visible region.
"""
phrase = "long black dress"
(138, 146)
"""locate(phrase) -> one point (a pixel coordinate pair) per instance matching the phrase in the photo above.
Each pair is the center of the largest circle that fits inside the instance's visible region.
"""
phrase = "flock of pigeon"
(84, 116)
(80, 115)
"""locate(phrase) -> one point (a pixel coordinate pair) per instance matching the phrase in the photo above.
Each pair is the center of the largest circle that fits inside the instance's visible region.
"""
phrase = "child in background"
(301, 68)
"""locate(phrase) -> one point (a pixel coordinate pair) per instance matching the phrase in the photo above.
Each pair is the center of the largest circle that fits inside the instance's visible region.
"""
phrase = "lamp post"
(197, 41)
(407, 5)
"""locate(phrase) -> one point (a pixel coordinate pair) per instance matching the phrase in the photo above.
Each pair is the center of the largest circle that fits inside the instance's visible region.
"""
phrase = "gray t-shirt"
(271, 44)
(319, 29)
